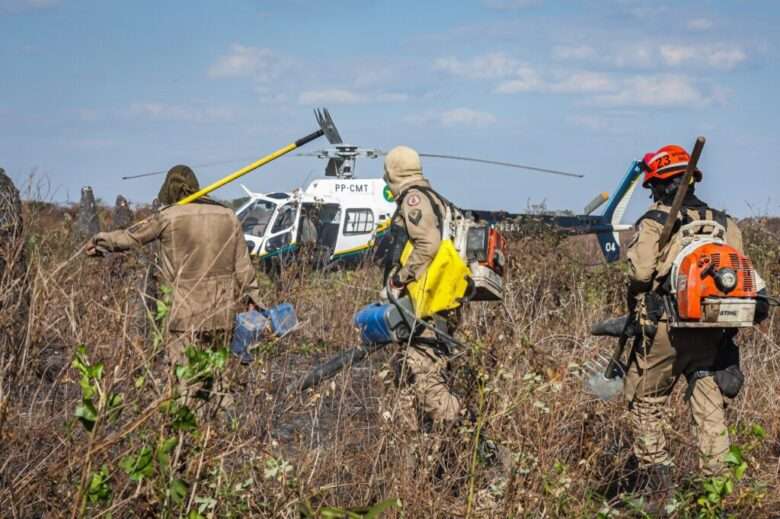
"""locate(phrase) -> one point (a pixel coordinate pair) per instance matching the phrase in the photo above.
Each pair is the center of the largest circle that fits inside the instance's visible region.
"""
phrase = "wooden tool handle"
(682, 191)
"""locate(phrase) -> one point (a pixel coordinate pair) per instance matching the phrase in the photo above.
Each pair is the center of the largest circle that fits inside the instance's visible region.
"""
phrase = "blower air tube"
(334, 366)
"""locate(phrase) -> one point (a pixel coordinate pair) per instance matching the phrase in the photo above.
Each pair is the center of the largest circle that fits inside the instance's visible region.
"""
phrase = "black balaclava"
(664, 191)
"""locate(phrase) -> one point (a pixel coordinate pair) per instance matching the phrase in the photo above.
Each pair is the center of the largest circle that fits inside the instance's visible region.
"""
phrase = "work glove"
(394, 285)
(763, 307)
(395, 282)
(94, 249)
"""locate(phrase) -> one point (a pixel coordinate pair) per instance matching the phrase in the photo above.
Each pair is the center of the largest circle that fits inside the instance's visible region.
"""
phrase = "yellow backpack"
(444, 283)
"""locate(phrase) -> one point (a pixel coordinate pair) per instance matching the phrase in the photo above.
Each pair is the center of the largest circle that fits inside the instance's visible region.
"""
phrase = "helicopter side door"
(255, 217)
(357, 231)
(282, 234)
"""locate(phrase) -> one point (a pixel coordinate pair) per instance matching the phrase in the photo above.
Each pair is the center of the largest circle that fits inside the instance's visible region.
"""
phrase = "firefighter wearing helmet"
(418, 219)
(706, 357)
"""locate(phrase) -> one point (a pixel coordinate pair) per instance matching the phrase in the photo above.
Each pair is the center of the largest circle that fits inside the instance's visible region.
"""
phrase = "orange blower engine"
(485, 253)
(713, 285)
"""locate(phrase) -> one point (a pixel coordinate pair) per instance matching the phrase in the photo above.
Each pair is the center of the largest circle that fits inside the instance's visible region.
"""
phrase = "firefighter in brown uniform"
(664, 354)
(203, 259)
(419, 219)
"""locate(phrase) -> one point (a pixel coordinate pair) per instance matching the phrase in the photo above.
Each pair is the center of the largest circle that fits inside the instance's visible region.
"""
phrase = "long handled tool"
(682, 192)
(615, 370)
(251, 167)
(327, 128)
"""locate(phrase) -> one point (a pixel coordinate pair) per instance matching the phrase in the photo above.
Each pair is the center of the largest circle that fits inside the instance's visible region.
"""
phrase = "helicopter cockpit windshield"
(254, 219)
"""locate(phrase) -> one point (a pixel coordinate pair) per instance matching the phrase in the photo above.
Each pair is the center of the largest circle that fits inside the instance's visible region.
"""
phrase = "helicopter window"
(359, 221)
(254, 219)
(286, 217)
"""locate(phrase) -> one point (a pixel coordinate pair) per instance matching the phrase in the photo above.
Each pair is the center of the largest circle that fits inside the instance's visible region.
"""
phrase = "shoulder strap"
(720, 217)
(655, 215)
(429, 194)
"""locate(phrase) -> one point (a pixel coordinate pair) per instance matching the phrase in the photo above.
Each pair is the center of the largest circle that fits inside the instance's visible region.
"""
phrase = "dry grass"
(563, 452)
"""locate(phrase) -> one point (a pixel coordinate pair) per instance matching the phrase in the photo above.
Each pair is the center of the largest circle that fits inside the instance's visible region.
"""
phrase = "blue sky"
(93, 90)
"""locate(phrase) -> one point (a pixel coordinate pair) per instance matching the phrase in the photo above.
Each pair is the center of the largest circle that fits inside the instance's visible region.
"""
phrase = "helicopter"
(343, 218)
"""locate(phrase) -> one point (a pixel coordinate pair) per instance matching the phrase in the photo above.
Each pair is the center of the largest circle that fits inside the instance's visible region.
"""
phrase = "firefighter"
(418, 219)
(203, 259)
(662, 355)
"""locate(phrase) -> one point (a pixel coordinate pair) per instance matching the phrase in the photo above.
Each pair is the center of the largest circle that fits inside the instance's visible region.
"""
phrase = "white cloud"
(465, 117)
(182, 113)
(338, 96)
(656, 91)
(700, 24)
(614, 90)
(489, 66)
(372, 72)
(647, 12)
(577, 52)
(331, 96)
(638, 55)
(674, 55)
(244, 61)
(575, 82)
(715, 56)
(510, 4)
(647, 55)
(16, 6)
(527, 80)
(583, 82)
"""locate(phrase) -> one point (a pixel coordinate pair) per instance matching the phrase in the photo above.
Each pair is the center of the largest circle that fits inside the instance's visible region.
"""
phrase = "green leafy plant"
(202, 364)
(140, 465)
(715, 490)
(163, 306)
(93, 397)
(99, 489)
(97, 403)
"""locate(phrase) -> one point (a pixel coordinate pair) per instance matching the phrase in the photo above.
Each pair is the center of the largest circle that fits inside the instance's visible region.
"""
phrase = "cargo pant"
(420, 371)
(651, 376)
(175, 354)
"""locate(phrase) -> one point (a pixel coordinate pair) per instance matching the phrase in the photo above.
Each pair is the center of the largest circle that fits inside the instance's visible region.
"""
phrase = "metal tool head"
(327, 125)
(597, 384)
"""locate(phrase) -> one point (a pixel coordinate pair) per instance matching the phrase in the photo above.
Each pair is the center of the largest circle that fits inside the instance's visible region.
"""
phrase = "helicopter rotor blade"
(196, 166)
(499, 163)
(150, 174)
(327, 125)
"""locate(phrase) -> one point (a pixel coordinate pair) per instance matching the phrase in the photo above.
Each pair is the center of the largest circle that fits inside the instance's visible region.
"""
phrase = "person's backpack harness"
(468, 249)
(711, 284)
